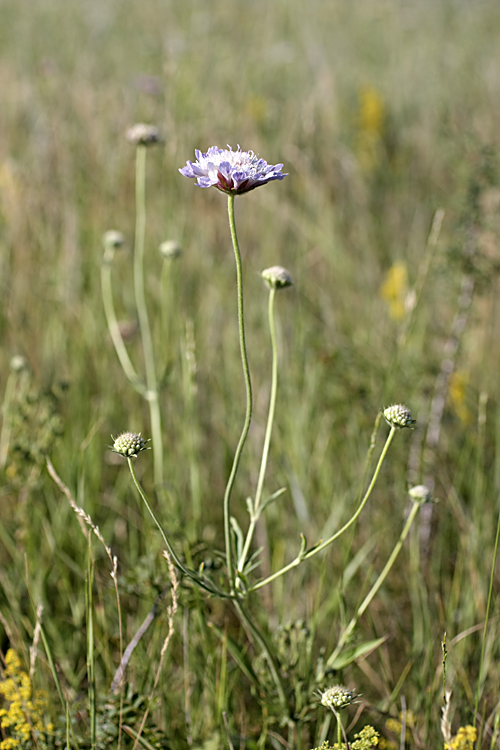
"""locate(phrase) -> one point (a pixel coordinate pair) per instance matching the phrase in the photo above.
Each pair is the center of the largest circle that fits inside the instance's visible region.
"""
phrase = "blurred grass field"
(386, 115)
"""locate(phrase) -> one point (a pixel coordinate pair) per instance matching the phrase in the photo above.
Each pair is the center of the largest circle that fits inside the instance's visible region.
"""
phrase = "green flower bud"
(143, 135)
(337, 697)
(398, 416)
(112, 239)
(129, 444)
(277, 277)
(18, 363)
(420, 494)
(170, 249)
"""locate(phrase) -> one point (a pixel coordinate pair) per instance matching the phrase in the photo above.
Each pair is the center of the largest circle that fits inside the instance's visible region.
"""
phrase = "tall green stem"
(267, 439)
(152, 395)
(383, 575)
(261, 640)
(113, 327)
(248, 389)
(306, 555)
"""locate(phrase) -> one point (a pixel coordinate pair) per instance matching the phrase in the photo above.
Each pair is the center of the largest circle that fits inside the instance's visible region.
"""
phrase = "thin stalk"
(152, 395)
(267, 439)
(90, 649)
(202, 583)
(5, 432)
(383, 575)
(113, 327)
(53, 669)
(339, 729)
(306, 555)
(248, 390)
(486, 621)
(262, 641)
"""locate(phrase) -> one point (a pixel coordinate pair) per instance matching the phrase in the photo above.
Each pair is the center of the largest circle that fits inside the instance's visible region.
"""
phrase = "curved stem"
(383, 575)
(113, 327)
(248, 389)
(202, 583)
(267, 439)
(152, 396)
(303, 555)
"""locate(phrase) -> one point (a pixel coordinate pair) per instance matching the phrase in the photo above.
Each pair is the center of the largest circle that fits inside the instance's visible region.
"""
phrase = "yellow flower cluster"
(394, 290)
(23, 714)
(366, 739)
(394, 726)
(463, 740)
(458, 395)
(370, 127)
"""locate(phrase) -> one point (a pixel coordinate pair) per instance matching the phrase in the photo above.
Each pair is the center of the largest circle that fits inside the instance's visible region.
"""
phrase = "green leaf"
(238, 655)
(272, 498)
(356, 652)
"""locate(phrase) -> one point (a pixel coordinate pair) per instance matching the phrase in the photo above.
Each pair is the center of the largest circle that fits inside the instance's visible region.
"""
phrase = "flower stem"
(306, 555)
(339, 728)
(114, 328)
(201, 582)
(256, 509)
(248, 389)
(383, 575)
(152, 395)
(262, 641)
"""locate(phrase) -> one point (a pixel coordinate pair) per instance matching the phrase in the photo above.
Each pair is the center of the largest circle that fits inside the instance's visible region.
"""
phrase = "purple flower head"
(232, 172)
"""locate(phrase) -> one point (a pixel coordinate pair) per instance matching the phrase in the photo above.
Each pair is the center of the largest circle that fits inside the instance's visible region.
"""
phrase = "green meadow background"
(386, 116)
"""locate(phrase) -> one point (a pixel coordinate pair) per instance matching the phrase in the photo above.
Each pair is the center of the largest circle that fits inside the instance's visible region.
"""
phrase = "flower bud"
(113, 239)
(337, 697)
(398, 416)
(170, 249)
(277, 277)
(420, 494)
(129, 444)
(18, 363)
(143, 135)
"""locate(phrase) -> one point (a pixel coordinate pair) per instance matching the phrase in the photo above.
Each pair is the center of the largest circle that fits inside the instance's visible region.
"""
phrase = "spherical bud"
(143, 135)
(420, 494)
(113, 239)
(18, 363)
(170, 249)
(398, 416)
(337, 697)
(277, 277)
(129, 444)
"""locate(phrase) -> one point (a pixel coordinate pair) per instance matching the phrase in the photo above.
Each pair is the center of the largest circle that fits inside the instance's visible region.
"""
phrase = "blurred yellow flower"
(371, 110)
(457, 390)
(370, 126)
(256, 108)
(394, 290)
